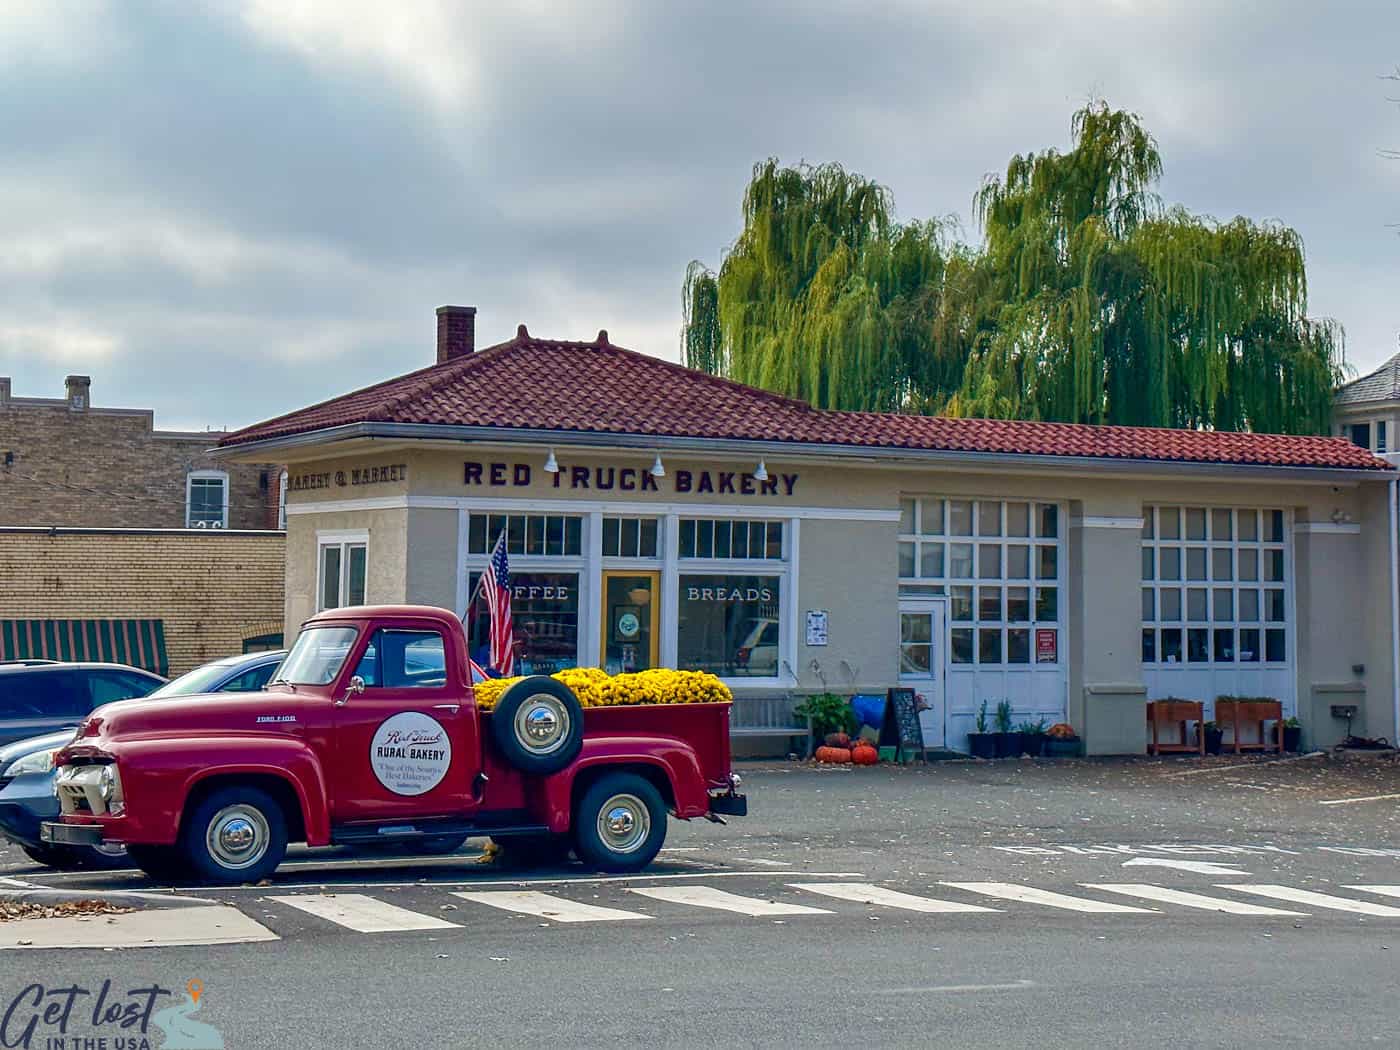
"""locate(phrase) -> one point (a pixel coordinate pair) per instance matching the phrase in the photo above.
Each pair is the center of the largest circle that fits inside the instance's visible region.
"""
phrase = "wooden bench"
(1163, 713)
(1234, 714)
(768, 716)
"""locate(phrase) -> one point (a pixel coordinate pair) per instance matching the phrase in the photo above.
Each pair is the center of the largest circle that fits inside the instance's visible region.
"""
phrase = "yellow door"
(630, 641)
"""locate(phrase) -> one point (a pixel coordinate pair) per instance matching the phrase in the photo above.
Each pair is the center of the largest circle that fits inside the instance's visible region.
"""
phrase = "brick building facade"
(106, 520)
(65, 462)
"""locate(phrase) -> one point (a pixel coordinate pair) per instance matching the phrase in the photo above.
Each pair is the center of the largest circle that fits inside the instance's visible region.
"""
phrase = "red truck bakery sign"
(632, 479)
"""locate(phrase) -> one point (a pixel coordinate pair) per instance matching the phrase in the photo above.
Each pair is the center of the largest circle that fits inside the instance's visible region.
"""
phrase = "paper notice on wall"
(816, 626)
(1047, 646)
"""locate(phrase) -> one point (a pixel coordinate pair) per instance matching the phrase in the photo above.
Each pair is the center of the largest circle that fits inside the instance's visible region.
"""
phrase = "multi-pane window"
(630, 537)
(206, 500)
(342, 570)
(547, 534)
(999, 562)
(1215, 585)
(731, 538)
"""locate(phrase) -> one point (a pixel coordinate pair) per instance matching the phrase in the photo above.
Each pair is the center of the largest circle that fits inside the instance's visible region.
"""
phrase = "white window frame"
(932, 586)
(1283, 546)
(282, 501)
(345, 540)
(205, 475)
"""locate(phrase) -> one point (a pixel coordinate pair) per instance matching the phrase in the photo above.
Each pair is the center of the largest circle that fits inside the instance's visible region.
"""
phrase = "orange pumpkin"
(864, 754)
(833, 754)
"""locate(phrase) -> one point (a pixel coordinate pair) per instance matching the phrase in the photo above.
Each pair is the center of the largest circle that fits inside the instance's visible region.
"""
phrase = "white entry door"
(922, 634)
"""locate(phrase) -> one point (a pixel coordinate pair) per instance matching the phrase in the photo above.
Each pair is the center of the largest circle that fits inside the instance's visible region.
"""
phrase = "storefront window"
(544, 611)
(1237, 559)
(730, 625)
(725, 538)
(630, 537)
(547, 534)
(999, 561)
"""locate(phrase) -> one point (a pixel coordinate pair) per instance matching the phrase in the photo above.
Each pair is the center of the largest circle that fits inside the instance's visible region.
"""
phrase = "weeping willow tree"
(1087, 300)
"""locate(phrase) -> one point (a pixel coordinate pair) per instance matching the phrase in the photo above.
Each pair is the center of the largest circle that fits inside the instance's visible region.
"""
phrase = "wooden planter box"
(1164, 714)
(1232, 715)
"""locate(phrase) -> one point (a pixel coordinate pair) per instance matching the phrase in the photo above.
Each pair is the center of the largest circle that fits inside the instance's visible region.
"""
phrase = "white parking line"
(548, 906)
(1384, 891)
(363, 914)
(1188, 900)
(1316, 900)
(722, 900)
(564, 881)
(868, 893)
(1348, 801)
(1009, 891)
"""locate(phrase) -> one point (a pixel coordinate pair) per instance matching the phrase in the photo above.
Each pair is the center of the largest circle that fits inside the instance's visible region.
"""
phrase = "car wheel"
(237, 834)
(161, 863)
(440, 845)
(538, 725)
(619, 823)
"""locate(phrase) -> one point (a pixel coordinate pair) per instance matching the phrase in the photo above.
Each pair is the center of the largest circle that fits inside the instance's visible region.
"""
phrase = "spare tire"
(538, 725)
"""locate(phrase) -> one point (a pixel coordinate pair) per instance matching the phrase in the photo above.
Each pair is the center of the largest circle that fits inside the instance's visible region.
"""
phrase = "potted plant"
(1007, 742)
(1214, 736)
(827, 713)
(982, 744)
(1061, 741)
(1032, 737)
(1292, 734)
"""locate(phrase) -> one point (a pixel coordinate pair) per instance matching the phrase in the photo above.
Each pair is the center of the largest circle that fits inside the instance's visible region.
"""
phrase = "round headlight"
(106, 780)
(38, 762)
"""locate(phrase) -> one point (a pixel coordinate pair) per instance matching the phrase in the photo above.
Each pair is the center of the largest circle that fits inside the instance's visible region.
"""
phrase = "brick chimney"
(79, 393)
(456, 333)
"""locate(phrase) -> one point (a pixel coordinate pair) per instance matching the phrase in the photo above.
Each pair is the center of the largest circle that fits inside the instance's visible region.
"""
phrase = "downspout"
(1394, 607)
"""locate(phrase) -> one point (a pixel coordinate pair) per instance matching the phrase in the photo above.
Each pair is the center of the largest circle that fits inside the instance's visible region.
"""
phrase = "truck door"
(406, 746)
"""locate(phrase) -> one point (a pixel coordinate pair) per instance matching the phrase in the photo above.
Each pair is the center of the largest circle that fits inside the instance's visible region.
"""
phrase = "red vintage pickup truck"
(369, 733)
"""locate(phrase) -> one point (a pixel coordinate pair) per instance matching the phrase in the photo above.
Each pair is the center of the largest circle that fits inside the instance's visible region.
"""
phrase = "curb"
(122, 898)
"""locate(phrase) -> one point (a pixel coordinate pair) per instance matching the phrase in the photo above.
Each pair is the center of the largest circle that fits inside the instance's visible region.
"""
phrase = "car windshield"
(316, 657)
(201, 680)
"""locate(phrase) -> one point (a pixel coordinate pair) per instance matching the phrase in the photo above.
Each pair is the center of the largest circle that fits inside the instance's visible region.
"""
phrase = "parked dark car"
(26, 766)
(38, 697)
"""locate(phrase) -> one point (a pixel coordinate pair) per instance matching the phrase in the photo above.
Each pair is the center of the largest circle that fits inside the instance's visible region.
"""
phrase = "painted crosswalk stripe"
(1315, 899)
(1189, 900)
(869, 893)
(1384, 891)
(1009, 891)
(723, 900)
(548, 906)
(361, 913)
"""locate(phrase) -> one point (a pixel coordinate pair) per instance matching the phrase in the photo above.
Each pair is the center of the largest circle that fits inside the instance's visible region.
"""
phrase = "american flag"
(495, 586)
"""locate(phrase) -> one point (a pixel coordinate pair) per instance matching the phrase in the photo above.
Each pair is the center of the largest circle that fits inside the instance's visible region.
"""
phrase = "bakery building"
(656, 516)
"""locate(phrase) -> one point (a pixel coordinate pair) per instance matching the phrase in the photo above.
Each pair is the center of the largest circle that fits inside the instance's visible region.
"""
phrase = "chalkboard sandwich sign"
(900, 727)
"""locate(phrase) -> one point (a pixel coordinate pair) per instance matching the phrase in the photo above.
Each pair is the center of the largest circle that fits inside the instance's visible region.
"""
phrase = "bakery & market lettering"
(342, 478)
(632, 479)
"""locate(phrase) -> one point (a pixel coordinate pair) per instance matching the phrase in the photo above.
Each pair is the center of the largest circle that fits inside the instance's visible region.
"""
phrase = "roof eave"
(256, 450)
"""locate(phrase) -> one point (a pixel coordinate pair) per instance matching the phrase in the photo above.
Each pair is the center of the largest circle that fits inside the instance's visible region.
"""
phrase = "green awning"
(137, 643)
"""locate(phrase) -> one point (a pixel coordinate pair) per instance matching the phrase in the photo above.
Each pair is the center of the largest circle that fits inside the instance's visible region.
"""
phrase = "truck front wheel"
(619, 823)
(236, 834)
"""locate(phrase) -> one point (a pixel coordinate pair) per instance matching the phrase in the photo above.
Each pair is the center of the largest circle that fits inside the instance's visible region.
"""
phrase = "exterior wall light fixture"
(551, 465)
(658, 469)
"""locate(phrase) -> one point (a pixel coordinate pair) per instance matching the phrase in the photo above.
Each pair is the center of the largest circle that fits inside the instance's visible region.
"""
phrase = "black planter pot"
(1293, 738)
(982, 745)
(1055, 748)
(1214, 738)
(1008, 745)
(1032, 744)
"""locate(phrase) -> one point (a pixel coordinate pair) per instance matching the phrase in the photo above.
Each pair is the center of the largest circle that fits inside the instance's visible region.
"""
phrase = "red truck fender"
(671, 764)
(302, 775)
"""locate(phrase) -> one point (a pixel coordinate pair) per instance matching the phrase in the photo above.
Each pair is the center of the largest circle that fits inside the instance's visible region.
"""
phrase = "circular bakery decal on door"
(410, 753)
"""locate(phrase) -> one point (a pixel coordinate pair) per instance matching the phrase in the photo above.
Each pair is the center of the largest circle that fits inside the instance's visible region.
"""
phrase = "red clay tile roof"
(595, 387)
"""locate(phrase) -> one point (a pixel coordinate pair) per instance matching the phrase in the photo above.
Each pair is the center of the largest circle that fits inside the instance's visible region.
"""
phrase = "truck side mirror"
(355, 688)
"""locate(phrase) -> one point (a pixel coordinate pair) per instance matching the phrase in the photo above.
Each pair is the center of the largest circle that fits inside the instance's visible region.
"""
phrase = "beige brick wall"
(212, 590)
(108, 468)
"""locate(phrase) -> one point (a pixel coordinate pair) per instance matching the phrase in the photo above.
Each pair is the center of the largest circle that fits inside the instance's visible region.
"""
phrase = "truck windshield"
(316, 657)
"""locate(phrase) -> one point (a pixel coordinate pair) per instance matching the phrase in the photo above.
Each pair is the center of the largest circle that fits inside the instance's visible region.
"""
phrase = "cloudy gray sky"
(228, 214)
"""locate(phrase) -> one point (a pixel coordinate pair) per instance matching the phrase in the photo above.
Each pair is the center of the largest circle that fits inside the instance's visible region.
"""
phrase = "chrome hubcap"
(624, 823)
(542, 724)
(238, 836)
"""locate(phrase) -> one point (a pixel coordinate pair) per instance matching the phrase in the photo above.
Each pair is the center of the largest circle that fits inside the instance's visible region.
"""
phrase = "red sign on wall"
(1047, 647)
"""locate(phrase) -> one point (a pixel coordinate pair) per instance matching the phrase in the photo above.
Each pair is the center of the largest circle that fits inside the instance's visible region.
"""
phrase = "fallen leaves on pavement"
(13, 909)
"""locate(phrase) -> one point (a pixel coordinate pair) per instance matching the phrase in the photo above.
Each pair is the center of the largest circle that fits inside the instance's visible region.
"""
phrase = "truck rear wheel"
(538, 725)
(619, 823)
(236, 834)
